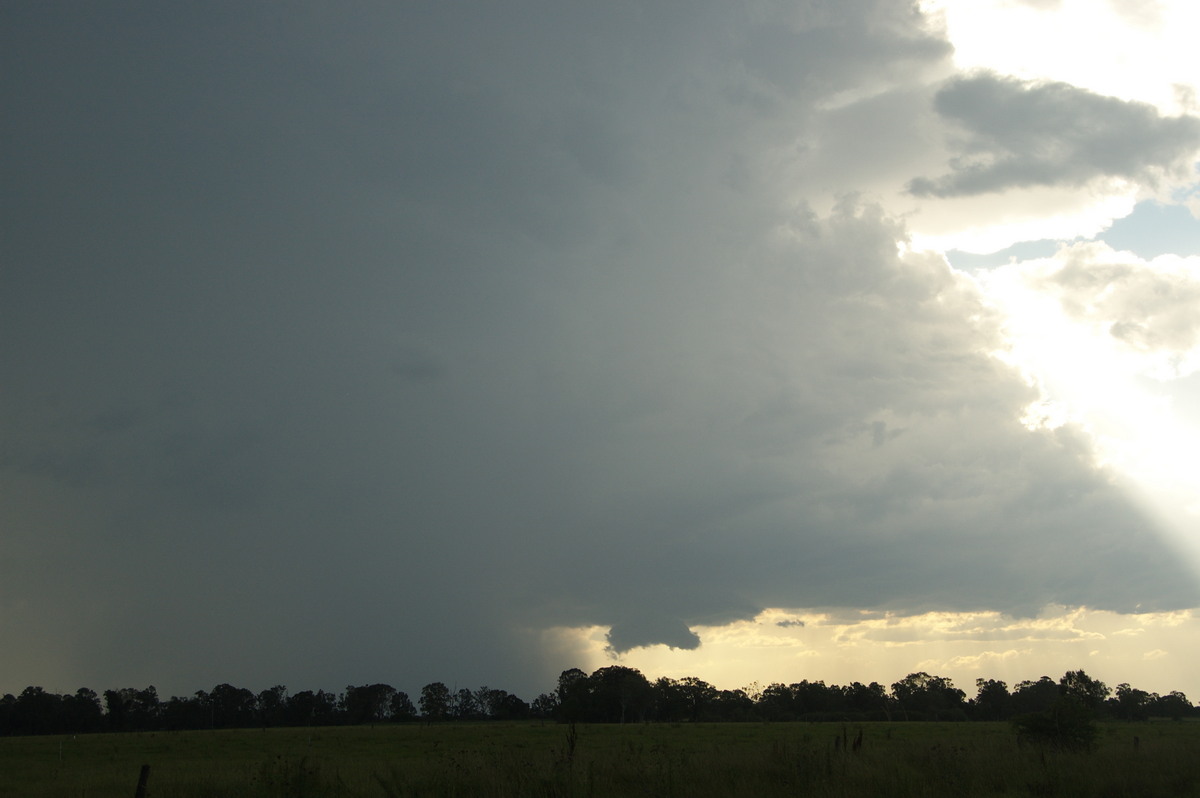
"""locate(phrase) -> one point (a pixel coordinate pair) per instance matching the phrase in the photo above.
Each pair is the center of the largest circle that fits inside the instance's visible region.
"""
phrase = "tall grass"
(495, 760)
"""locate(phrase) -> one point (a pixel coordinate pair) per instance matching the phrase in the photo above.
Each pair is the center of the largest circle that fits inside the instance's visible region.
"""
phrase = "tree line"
(613, 694)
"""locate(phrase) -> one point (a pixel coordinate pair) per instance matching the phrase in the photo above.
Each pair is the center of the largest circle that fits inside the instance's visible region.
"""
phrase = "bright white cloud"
(1141, 51)
(1102, 53)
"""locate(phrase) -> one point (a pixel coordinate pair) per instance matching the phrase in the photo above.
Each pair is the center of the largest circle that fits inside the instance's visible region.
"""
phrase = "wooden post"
(143, 777)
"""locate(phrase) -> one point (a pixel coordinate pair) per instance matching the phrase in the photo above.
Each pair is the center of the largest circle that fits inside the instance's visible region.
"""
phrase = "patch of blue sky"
(1152, 229)
(1024, 250)
(1155, 229)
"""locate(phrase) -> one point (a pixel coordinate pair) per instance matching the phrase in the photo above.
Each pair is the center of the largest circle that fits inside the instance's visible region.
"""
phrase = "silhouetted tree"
(37, 712)
(619, 694)
(1069, 722)
(506, 706)
(402, 708)
(1036, 696)
(573, 694)
(992, 701)
(816, 700)
(463, 705)
(500, 704)
(324, 708)
(232, 707)
(307, 708)
(483, 700)
(868, 701)
(272, 706)
(775, 703)
(544, 706)
(1174, 705)
(370, 703)
(1059, 713)
(129, 709)
(180, 712)
(802, 700)
(1089, 692)
(82, 712)
(669, 703)
(922, 696)
(1129, 703)
(735, 705)
(435, 701)
(7, 703)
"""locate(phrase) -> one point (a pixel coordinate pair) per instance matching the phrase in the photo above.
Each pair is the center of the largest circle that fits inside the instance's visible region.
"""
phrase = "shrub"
(1066, 726)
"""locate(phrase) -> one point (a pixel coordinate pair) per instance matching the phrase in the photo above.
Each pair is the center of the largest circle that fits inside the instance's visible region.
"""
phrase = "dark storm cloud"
(1017, 134)
(345, 347)
(646, 627)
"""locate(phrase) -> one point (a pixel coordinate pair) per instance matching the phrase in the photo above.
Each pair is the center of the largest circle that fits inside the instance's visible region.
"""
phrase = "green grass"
(530, 759)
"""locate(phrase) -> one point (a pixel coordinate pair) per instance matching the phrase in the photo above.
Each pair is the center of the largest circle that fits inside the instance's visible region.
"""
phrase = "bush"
(1066, 726)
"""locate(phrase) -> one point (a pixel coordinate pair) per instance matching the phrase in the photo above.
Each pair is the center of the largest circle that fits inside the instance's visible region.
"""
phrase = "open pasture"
(532, 759)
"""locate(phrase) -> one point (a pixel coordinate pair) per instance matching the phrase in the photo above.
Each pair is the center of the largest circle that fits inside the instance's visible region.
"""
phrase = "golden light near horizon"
(788, 646)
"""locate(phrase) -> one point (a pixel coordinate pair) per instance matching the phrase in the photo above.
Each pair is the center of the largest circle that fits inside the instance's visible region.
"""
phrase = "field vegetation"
(640, 759)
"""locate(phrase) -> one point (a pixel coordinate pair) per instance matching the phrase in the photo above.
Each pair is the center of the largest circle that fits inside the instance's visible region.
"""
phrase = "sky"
(757, 341)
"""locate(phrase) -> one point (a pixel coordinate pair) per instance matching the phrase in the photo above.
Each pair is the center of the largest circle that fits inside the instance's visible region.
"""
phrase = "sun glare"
(1135, 51)
(1089, 378)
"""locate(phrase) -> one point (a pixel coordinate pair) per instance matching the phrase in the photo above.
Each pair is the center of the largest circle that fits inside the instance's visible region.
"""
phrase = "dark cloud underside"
(1017, 134)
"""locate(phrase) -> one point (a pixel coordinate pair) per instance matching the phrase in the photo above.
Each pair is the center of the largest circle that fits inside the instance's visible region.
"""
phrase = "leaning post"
(143, 778)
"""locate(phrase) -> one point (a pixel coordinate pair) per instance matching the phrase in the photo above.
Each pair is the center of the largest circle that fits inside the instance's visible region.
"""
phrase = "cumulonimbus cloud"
(357, 347)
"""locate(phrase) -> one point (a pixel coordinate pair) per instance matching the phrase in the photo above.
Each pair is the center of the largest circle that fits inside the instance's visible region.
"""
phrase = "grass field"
(530, 759)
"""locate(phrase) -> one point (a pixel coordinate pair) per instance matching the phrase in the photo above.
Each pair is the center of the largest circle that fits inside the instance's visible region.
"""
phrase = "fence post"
(143, 777)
